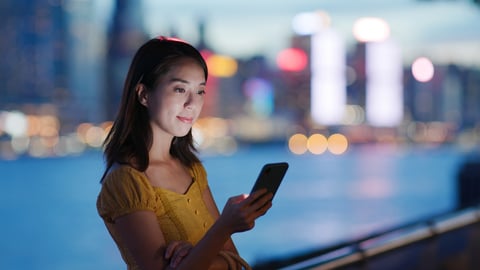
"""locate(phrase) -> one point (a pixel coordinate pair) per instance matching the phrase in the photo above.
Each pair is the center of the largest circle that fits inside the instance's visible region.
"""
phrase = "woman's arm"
(213, 209)
(144, 239)
(238, 215)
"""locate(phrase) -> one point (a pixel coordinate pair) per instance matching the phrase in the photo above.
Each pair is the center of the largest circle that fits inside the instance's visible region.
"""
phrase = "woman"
(155, 200)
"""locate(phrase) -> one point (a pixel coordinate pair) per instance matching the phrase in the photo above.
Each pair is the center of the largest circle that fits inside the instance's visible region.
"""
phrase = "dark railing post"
(468, 185)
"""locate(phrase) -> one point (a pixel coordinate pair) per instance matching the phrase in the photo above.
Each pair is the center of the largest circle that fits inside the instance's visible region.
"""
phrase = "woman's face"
(175, 104)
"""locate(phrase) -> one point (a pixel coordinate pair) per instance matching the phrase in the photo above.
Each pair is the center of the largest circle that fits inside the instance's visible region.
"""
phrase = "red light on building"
(292, 59)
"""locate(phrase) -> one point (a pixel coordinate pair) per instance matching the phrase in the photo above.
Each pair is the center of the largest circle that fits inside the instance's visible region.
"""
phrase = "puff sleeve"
(124, 190)
(199, 174)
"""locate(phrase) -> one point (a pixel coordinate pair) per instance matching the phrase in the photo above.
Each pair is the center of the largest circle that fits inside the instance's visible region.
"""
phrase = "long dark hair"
(130, 138)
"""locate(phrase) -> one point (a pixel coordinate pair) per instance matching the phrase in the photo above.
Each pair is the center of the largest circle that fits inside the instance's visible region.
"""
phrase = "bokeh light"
(20, 144)
(95, 136)
(308, 23)
(212, 135)
(422, 69)
(34, 125)
(298, 144)
(16, 124)
(337, 144)
(371, 29)
(221, 65)
(317, 144)
(260, 96)
(292, 59)
(82, 131)
(354, 115)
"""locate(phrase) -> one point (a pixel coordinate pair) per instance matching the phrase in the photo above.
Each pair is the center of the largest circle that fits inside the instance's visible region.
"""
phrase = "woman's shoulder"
(124, 190)
(118, 169)
(123, 174)
(199, 173)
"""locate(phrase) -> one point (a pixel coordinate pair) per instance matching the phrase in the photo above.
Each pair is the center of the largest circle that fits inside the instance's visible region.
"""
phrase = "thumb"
(239, 198)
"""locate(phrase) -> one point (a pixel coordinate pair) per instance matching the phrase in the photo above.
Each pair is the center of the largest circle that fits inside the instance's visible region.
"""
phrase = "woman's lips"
(187, 120)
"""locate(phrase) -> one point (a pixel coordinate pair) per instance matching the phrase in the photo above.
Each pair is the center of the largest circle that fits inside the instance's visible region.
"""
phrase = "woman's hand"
(176, 251)
(240, 212)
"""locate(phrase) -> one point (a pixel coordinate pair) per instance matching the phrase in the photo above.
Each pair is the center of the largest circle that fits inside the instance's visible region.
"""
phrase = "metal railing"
(362, 253)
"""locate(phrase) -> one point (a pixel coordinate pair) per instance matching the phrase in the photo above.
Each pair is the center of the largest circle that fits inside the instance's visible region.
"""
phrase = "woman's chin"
(182, 133)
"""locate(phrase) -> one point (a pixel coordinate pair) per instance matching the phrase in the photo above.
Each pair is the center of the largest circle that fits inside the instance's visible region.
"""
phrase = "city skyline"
(80, 85)
(442, 30)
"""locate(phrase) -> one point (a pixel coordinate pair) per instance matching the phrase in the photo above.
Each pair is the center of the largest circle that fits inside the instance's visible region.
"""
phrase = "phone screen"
(270, 177)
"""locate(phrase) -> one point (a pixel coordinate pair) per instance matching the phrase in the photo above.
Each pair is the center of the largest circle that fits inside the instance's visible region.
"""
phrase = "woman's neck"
(160, 149)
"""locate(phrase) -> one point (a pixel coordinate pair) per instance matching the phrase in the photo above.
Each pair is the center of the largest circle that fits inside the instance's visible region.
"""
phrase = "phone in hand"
(270, 177)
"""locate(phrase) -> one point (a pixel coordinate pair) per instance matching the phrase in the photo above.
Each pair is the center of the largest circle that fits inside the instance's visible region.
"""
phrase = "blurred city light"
(371, 29)
(317, 144)
(82, 130)
(292, 59)
(354, 115)
(49, 125)
(431, 132)
(213, 135)
(249, 128)
(20, 144)
(298, 144)
(39, 135)
(71, 144)
(469, 139)
(106, 126)
(337, 144)
(94, 136)
(309, 23)
(384, 72)
(15, 123)
(422, 69)
(34, 125)
(328, 82)
(260, 96)
(336, 72)
(221, 65)
(37, 148)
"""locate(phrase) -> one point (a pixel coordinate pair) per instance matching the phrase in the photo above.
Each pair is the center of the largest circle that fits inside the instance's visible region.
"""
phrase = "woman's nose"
(190, 102)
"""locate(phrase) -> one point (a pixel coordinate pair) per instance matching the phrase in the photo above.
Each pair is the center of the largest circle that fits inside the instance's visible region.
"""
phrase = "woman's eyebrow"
(183, 81)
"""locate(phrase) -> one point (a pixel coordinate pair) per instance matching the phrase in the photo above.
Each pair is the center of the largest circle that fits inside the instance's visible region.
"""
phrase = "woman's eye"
(201, 92)
(179, 90)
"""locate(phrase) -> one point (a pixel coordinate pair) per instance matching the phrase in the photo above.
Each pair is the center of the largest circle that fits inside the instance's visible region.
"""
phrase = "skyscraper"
(33, 69)
(125, 35)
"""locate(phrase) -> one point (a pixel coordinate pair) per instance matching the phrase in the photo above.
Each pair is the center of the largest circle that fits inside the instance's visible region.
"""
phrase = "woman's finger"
(180, 253)
(174, 247)
(260, 201)
(263, 209)
(170, 249)
(254, 196)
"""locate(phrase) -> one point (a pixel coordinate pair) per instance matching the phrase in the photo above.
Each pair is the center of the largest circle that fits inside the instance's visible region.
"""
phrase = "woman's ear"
(142, 94)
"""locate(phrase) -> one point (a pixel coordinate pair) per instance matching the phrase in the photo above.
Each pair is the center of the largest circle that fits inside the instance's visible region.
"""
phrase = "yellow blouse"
(180, 216)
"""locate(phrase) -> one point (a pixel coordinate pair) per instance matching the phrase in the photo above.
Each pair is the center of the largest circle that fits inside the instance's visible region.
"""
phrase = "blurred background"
(375, 105)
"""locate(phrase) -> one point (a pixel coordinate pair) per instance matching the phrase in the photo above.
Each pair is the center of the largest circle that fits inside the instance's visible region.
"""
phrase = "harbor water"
(49, 219)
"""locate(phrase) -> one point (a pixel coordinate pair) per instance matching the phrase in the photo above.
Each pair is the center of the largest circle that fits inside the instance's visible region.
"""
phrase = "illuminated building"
(125, 35)
(34, 67)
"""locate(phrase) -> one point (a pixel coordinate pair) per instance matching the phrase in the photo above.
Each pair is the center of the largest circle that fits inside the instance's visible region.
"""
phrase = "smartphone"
(270, 177)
